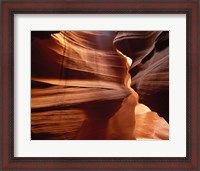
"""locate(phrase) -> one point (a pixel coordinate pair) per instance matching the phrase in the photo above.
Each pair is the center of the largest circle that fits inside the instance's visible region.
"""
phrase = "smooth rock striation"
(149, 51)
(81, 86)
(83, 71)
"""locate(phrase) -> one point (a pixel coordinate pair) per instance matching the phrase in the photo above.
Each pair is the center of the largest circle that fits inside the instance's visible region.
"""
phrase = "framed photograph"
(100, 85)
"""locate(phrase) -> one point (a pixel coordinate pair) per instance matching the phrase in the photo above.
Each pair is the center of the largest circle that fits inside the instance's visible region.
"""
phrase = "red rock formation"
(83, 71)
(149, 51)
(81, 87)
(149, 125)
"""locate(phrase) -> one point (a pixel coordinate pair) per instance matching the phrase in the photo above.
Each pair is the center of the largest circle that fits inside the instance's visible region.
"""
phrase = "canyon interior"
(99, 85)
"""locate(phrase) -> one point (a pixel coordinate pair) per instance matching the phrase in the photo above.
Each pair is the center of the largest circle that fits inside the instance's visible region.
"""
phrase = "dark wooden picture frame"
(189, 7)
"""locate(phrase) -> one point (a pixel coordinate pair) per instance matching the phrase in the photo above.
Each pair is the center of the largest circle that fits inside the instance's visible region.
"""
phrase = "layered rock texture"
(149, 71)
(81, 87)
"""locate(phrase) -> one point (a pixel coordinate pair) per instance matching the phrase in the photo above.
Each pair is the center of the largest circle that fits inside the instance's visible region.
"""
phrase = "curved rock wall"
(83, 71)
(149, 52)
(81, 86)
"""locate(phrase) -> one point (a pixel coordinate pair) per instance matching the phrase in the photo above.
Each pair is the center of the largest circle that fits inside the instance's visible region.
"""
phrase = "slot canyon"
(99, 85)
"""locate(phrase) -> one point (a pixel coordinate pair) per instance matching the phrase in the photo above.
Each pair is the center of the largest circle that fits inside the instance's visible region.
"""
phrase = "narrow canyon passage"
(86, 85)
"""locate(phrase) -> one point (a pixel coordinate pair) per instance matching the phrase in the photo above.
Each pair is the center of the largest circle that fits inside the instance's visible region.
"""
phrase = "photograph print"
(99, 85)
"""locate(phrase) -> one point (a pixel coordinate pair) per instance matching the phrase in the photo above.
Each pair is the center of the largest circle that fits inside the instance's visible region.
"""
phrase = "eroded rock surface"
(81, 86)
(149, 51)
